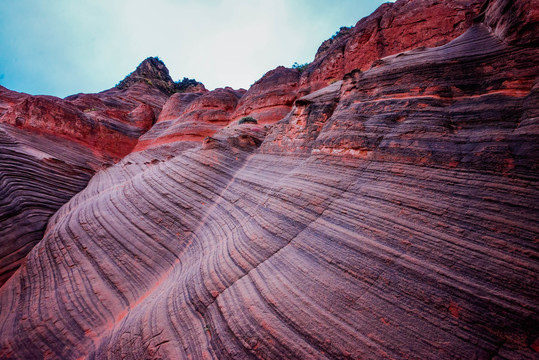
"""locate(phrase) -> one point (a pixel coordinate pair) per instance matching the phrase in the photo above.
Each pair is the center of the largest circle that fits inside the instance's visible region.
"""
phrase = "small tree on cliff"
(300, 67)
(185, 84)
(248, 120)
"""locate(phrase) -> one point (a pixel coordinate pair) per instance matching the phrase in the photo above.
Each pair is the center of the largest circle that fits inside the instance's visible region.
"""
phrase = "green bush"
(342, 30)
(300, 67)
(247, 120)
(185, 84)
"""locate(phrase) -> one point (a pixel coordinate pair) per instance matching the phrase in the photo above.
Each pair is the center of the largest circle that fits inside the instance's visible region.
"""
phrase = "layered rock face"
(109, 122)
(51, 147)
(270, 98)
(190, 117)
(38, 174)
(392, 28)
(392, 214)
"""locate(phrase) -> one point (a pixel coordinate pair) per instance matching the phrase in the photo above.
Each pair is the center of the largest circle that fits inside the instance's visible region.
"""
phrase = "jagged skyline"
(62, 48)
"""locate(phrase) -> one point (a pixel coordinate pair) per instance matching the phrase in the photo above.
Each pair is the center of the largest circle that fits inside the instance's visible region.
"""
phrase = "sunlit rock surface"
(392, 214)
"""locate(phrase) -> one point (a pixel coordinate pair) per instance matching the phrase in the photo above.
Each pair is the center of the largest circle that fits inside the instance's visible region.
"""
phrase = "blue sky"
(62, 47)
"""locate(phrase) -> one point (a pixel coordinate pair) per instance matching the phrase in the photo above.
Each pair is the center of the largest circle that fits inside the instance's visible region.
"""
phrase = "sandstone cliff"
(389, 214)
(51, 147)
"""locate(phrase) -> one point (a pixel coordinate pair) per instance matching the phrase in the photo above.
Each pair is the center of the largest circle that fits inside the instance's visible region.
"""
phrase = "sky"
(63, 47)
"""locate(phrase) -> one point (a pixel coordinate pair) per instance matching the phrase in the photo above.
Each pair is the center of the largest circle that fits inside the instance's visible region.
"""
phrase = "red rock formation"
(298, 131)
(514, 22)
(392, 215)
(51, 147)
(270, 98)
(109, 122)
(188, 118)
(392, 28)
(151, 71)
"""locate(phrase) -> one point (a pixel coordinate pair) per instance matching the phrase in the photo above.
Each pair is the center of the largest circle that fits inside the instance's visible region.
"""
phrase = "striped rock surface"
(51, 147)
(390, 215)
(38, 174)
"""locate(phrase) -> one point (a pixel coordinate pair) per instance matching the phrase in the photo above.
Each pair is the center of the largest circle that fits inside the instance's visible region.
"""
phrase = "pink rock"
(392, 214)
(269, 99)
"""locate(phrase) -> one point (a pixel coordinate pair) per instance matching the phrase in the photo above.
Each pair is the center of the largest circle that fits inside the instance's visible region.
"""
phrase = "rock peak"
(152, 71)
(153, 66)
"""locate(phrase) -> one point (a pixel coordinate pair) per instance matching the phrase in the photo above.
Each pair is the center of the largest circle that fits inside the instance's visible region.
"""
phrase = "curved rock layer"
(50, 148)
(191, 117)
(37, 176)
(393, 215)
(270, 99)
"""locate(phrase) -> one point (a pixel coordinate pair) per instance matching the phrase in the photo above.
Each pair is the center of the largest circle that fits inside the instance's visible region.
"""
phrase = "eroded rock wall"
(391, 29)
(50, 148)
(390, 215)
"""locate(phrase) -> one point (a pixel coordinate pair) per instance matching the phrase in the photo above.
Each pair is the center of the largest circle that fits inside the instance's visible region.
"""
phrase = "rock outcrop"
(190, 117)
(391, 214)
(151, 71)
(109, 122)
(391, 29)
(270, 98)
(51, 147)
